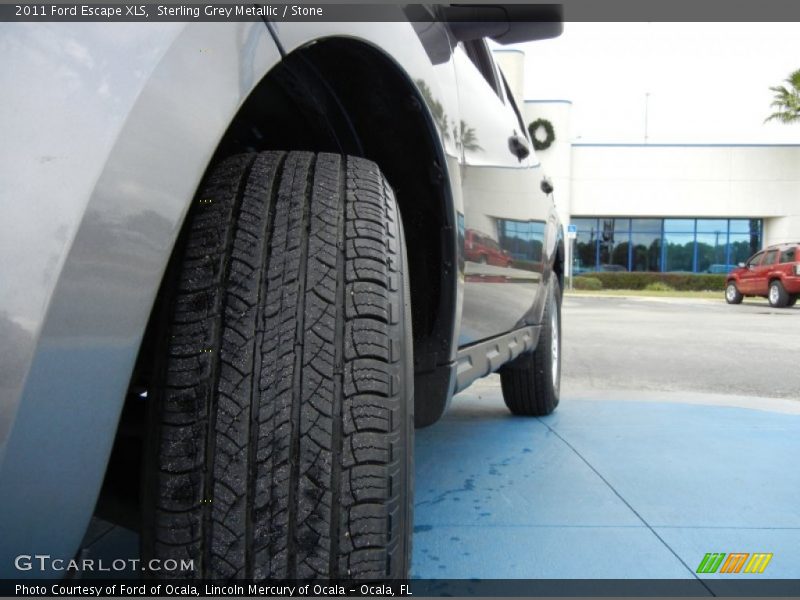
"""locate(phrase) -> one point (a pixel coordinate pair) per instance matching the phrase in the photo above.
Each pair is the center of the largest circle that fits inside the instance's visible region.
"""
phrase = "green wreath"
(550, 136)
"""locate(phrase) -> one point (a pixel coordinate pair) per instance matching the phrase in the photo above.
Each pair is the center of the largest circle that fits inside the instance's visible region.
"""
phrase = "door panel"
(747, 280)
(761, 279)
(505, 212)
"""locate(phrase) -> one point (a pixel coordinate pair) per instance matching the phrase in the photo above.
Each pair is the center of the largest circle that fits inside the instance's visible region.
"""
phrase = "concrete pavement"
(678, 344)
(604, 489)
(678, 435)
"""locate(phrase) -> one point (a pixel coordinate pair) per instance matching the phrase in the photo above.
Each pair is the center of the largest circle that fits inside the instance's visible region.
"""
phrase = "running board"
(478, 360)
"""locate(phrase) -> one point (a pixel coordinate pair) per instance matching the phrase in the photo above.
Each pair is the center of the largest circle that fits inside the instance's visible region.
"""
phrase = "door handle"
(518, 146)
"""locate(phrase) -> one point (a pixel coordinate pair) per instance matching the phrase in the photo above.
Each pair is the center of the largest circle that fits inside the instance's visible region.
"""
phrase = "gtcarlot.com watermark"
(46, 563)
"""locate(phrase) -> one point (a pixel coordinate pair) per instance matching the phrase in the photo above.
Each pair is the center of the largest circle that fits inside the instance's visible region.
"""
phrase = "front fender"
(115, 125)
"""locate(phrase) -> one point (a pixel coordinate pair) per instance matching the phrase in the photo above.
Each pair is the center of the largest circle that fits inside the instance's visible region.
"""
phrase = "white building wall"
(690, 181)
(557, 159)
(663, 180)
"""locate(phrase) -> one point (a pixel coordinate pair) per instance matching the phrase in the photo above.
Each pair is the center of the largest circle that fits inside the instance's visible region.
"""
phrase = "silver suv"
(232, 258)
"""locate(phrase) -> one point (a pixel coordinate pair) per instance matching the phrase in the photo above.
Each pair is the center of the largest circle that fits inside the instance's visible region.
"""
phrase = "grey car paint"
(502, 200)
(108, 130)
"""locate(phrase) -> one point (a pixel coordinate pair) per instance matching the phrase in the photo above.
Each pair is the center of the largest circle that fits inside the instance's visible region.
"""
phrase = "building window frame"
(594, 227)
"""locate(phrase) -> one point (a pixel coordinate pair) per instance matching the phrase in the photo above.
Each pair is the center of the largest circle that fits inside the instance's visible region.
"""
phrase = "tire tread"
(283, 435)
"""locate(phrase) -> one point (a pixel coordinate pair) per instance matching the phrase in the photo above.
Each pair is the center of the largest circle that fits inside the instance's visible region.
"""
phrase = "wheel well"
(558, 264)
(342, 95)
(324, 98)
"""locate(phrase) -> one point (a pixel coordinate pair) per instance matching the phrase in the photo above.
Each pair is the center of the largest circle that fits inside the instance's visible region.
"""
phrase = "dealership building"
(664, 207)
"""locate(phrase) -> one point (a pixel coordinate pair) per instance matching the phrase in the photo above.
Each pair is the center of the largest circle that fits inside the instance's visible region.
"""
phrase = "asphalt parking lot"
(677, 435)
(675, 344)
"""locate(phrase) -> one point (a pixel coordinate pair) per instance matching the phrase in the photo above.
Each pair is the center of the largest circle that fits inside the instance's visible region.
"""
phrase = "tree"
(786, 100)
(469, 139)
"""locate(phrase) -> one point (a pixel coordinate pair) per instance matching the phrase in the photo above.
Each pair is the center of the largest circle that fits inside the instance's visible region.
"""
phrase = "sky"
(707, 82)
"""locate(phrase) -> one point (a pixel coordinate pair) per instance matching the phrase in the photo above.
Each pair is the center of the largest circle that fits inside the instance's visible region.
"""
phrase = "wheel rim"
(554, 345)
(773, 294)
(731, 292)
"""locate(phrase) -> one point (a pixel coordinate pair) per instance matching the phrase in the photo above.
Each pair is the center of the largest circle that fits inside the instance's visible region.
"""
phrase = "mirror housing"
(740, 265)
(505, 24)
(546, 186)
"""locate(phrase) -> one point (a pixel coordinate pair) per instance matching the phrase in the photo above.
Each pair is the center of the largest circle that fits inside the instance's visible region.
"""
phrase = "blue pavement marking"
(603, 489)
(541, 552)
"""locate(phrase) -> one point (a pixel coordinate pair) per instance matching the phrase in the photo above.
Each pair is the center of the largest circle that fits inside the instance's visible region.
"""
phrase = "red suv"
(483, 249)
(773, 273)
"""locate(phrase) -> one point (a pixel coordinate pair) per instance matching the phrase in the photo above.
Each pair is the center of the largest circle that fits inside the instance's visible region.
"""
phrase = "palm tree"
(437, 110)
(469, 139)
(787, 100)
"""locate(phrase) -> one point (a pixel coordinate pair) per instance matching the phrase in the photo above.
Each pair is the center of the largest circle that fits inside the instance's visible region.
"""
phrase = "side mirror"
(505, 24)
(546, 186)
(740, 265)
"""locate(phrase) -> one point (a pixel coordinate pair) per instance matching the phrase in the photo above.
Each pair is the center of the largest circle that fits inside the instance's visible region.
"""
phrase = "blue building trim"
(728, 244)
(630, 244)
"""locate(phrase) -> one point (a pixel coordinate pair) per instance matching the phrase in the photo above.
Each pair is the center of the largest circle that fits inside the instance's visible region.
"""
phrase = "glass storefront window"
(751, 226)
(679, 225)
(678, 251)
(712, 226)
(621, 228)
(614, 244)
(646, 226)
(614, 256)
(711, 252)
(741, 248)
(607, 230)
(646, 251)
(699, 245)
(619, 256)
(584, 224)
(585, 258)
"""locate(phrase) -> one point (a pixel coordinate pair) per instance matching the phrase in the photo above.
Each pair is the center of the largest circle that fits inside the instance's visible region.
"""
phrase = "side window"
(753, 262)
(788, 256)
(772, 257)
(478, 53)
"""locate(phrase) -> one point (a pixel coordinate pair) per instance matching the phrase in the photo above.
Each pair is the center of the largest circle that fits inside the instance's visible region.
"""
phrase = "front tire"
(531, 383)
(281, 435)
(732, 293)
(777, 295)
